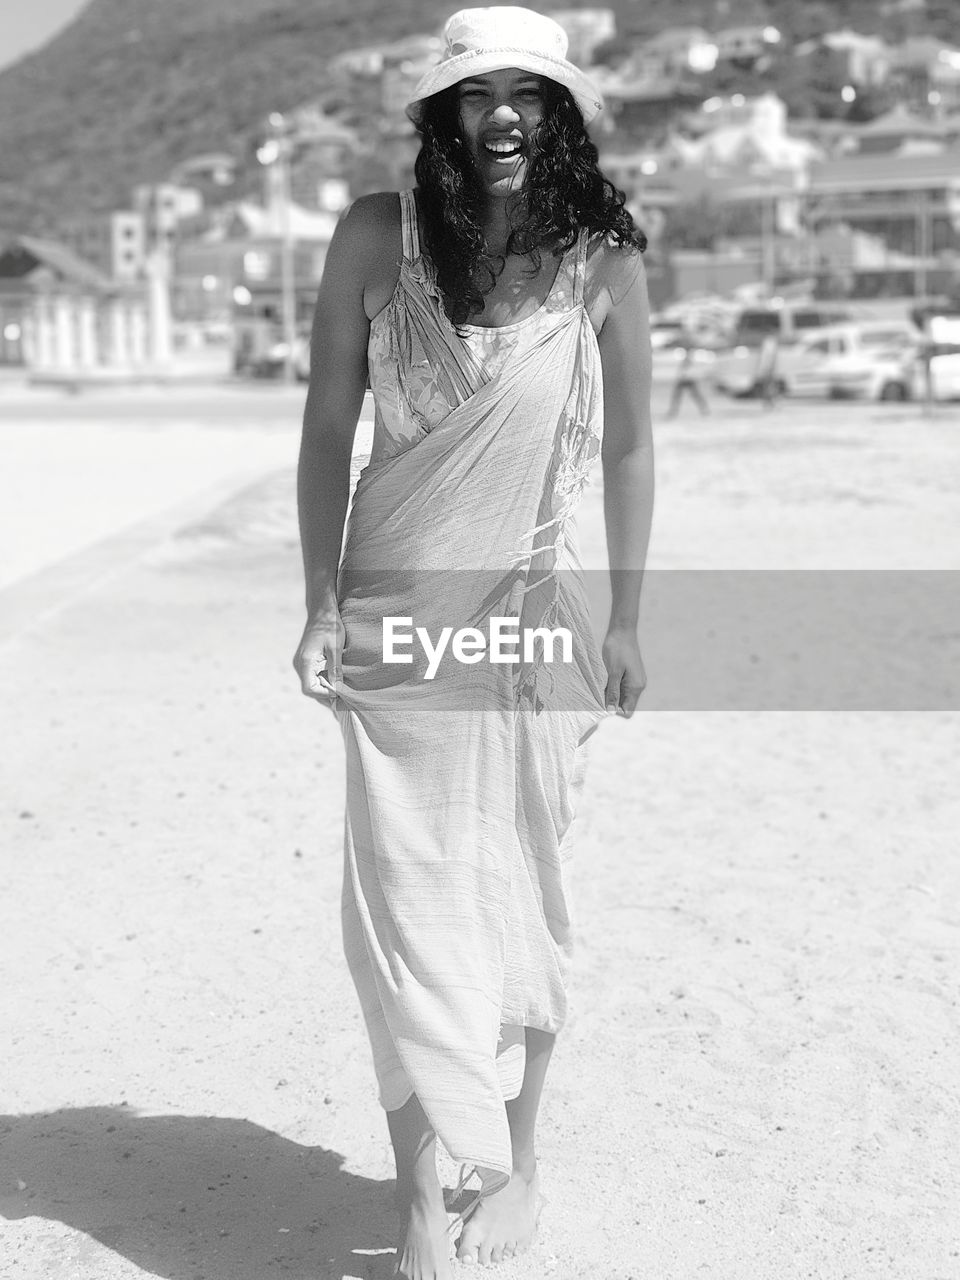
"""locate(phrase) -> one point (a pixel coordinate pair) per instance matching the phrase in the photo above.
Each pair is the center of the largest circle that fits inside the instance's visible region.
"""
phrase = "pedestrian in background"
(766, 380)
(689, 376)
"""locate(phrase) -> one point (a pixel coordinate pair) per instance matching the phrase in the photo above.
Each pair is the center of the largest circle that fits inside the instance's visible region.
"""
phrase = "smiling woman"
(524, 138)
(498, 116)
(500, 312)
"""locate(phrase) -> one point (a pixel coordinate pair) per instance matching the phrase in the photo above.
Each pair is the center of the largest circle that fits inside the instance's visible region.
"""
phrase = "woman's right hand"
(318, 656)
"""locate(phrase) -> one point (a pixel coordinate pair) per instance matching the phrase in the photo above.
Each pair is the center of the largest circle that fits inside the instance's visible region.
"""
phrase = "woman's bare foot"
(504, 1224)
(424, 1249)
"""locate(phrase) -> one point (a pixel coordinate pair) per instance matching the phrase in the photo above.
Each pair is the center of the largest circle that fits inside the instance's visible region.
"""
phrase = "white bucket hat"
(482, 40)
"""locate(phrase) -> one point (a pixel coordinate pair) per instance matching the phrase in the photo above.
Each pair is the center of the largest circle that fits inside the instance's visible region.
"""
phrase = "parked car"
(261, 353)
(736, 371)
(664, 333)
(668, 355)
(870, 359)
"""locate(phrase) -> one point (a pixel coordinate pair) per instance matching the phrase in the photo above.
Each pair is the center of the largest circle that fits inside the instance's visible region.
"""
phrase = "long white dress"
(462, 789)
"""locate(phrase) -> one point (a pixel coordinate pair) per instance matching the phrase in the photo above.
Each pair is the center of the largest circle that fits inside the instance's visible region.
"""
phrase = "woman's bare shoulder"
(613, 266)
(370, 220)
(612, 271)
(370, 241)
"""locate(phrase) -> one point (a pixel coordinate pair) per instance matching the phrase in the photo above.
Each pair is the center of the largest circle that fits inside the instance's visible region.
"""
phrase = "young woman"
(500, 313)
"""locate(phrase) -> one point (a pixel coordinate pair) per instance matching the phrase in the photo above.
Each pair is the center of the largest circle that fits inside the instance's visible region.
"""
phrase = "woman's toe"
(467, 1252)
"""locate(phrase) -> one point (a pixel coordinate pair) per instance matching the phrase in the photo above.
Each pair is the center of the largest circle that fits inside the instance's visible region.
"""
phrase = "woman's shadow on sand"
(197, 1197)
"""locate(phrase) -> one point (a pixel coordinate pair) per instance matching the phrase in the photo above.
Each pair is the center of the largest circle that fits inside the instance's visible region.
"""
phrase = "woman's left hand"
(626, 678)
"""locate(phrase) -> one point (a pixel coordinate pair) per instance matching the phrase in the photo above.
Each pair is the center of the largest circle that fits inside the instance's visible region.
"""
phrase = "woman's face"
(498, 115)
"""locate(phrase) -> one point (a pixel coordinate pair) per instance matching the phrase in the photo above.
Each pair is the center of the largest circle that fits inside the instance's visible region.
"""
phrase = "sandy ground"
(758, 1078)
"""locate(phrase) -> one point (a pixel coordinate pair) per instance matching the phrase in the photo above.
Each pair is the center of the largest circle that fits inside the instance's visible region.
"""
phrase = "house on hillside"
(865, 60)
(751, 135)
(944, 93)
(586, 30)
(925, 72)
(66, 319)
(745, 45)
(404, 62)
(901, 131)
(322, 159)
(672, 53)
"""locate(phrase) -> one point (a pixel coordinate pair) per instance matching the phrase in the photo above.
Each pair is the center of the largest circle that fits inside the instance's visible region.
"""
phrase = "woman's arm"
(338, 379)
(628, 474)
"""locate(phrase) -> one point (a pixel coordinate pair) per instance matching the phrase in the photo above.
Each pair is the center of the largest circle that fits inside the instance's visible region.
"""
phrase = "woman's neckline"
(517, 324)
(426, 263)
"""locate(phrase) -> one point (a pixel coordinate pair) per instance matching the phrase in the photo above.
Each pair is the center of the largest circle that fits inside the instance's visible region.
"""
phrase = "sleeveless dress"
(462, 787)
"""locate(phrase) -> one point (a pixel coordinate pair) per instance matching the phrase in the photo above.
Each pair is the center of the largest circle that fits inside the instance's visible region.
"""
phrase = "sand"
(758, 1077)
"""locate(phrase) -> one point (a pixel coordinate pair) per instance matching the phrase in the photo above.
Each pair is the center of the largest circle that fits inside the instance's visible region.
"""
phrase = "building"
(404, 62)
(673, 52)
(745, 45)
(162, 207)
(694, 273)
(365, 63)
(912, 207)
(231, 278)
(73, 321)
(323, 156)
(114, 242)
(925, 74)
(586, 30)
(864, 60)
(943, 96)
(750, 133)
(641, 107)
(898, 131)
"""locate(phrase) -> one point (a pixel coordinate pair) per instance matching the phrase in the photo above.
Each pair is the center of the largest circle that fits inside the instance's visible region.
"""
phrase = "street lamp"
(276, 151)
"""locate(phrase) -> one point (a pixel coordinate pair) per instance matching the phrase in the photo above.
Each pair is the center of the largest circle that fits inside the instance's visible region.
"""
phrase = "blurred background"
(172, 174)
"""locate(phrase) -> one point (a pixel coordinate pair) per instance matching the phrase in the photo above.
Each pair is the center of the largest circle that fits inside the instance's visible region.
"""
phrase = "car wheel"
(893, 391)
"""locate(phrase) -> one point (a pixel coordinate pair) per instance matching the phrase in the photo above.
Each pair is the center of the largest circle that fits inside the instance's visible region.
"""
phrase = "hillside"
(132, 86)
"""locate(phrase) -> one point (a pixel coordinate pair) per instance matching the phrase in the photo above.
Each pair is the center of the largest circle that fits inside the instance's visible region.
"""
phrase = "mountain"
(133, 86)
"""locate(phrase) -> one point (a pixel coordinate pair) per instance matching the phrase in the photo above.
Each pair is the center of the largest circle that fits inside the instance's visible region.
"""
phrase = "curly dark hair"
(563, 190)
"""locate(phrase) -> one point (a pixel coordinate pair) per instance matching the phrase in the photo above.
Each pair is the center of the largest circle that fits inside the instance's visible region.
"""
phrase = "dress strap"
(411, 237)
(580, 266)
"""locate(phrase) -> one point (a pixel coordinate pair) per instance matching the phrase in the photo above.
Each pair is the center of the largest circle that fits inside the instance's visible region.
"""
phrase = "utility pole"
(923, 245)
(277, 151)
(768, 239)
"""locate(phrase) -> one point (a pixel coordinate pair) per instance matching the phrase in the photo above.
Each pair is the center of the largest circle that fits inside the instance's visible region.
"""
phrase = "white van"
(872, 360)
(735, 372)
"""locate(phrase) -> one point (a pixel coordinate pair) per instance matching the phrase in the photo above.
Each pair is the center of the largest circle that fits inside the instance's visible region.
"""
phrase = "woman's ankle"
(525, 1165)
(419, 1189)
